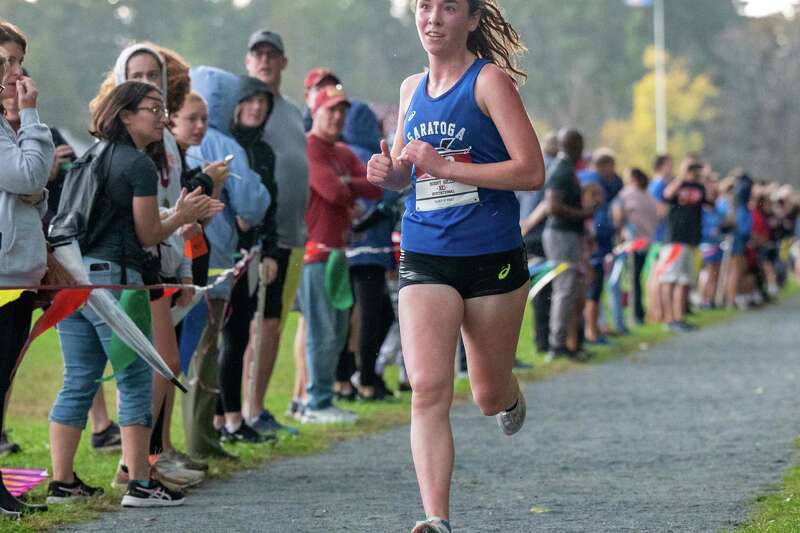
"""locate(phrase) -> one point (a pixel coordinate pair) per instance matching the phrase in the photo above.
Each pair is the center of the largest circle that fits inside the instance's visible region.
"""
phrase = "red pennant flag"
(65, 302)
(169, 292)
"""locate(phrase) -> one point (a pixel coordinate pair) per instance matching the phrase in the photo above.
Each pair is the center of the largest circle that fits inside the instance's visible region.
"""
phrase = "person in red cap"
(316, 79)
(337, 177)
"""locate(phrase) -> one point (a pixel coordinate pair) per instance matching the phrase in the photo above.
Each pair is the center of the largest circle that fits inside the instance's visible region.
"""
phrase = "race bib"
(435, 193)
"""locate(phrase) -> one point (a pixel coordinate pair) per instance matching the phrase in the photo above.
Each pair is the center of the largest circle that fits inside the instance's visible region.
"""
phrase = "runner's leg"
(430, 317)
(491, 331)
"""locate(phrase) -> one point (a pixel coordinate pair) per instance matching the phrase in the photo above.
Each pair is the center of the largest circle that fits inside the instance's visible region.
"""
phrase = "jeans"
(85, 342)
(326, 335)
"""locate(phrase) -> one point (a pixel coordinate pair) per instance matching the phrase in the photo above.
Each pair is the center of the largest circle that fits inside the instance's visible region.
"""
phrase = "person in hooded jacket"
(250, 117)
(246, 202)
(25, 158)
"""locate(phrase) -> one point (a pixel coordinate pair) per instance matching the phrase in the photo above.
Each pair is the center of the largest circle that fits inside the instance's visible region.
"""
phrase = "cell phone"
(228, 158)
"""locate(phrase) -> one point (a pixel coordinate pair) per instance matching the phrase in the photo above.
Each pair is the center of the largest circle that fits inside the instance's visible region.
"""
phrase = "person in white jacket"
(25, 160)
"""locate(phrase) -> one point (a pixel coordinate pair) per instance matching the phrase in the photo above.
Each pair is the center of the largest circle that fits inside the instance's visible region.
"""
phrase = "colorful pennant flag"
(136, 304)
(20, 481)
(8, 296)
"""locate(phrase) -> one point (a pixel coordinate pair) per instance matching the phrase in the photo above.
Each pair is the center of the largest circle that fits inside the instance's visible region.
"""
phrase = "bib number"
(435, 193)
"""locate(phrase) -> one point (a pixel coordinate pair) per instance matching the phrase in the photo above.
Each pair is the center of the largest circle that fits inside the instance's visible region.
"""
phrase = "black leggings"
(15, 323)
(376, 317)
(235, 336)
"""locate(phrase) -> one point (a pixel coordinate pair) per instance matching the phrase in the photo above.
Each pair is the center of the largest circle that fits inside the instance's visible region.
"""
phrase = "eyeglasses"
(266, 54)
(157, 110)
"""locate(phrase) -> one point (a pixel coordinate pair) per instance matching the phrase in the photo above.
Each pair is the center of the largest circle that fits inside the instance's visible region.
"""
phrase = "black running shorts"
(472, 276)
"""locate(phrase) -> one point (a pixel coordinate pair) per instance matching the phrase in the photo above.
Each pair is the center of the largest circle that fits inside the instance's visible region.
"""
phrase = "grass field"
(39, 379)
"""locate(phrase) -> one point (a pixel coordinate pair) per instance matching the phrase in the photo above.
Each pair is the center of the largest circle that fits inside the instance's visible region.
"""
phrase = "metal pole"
(661, 78)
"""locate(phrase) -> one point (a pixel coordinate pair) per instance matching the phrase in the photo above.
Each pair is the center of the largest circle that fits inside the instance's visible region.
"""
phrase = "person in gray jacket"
(25, 160)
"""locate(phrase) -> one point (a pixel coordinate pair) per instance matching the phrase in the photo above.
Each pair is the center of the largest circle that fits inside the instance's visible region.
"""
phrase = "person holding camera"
(130, 119)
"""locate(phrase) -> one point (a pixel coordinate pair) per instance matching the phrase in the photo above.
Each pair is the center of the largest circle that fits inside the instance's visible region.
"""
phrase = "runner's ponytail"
(495, 39)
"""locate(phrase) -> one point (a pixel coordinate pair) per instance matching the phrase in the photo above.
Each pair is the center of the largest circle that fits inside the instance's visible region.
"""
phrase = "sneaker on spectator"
(679, 326)
(519, 364)
(108, 440)
(292, 410)
(328, 415)
(154, 495)
(121, 478)
(580, 355)
(511, 421)
(6, 446)
(246, 434)
(59, 492)
(184, 460)
(267, 424)
(171, 474)
(433, 525)
(555, 353)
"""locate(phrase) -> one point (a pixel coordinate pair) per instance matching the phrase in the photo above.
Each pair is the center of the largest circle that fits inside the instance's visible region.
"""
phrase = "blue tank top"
(443, 217)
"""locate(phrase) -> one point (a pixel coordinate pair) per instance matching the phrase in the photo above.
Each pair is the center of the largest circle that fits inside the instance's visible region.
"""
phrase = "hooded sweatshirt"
(261, 159)
(26, 158)
(244, 195)
(173, 263)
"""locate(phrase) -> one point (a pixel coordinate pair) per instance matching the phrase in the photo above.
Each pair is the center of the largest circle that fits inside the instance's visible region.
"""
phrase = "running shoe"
(433, 525)
(175, 477)
(246, 434)
(267, 424)
(511, 421)
(328, 415)
(108, 440)
(59, 492)
(12, 508)
(6, 446)
(185, 461)
(154, 495)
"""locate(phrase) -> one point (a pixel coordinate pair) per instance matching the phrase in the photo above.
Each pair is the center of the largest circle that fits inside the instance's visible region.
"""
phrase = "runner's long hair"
(494, 39)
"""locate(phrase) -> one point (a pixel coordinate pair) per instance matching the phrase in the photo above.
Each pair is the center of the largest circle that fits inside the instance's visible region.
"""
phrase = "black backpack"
(84, 209)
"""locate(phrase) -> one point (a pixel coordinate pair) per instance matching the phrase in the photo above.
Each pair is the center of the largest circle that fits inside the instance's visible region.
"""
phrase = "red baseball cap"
(317, 75)
(329, 97)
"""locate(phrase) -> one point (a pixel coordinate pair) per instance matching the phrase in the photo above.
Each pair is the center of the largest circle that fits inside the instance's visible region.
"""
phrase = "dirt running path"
(678, 438)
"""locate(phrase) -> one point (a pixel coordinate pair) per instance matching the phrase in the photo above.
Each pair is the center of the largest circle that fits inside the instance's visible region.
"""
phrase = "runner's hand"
(425, 158)
(380, 166)
(190, 231)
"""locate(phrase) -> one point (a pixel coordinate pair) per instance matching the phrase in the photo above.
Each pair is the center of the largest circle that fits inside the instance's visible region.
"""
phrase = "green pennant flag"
(337, 281)
(136, 304)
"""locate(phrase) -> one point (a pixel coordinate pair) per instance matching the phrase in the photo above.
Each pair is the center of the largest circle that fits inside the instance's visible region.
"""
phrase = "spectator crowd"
(198, 170)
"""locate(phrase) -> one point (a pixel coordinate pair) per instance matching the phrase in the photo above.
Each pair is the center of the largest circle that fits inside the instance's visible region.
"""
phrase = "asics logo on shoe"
(504, 272)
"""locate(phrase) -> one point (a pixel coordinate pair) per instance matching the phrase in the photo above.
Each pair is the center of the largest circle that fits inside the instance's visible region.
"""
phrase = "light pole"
(662, 140)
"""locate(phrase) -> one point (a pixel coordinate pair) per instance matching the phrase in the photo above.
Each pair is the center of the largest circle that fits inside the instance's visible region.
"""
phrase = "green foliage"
(688, 105)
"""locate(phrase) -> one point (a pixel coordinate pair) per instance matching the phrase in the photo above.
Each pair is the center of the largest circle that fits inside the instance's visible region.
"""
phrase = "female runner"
(464, 142)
